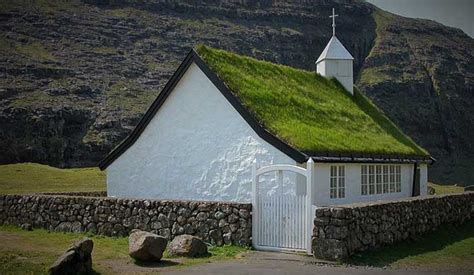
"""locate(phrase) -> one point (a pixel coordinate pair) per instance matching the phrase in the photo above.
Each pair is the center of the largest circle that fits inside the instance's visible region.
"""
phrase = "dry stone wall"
(343, 230)
(80, 194)
(215, 222)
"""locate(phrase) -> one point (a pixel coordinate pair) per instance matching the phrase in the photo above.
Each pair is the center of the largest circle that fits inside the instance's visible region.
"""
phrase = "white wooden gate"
(282, 221)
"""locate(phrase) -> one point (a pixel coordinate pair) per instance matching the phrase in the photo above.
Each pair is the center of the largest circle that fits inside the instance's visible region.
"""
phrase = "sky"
(454, 13)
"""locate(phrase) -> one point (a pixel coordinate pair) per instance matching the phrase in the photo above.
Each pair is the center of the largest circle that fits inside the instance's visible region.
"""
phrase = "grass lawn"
(33, 177)
(446, 189)
(447, 248)
(34, 251)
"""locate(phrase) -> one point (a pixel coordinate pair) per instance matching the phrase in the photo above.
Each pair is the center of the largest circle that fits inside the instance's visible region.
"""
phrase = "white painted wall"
(423, 179)
(321, 195)
(197, 147)
(341, 69)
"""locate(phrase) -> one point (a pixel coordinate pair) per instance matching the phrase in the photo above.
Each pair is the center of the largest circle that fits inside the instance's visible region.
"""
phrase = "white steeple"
(336, 61)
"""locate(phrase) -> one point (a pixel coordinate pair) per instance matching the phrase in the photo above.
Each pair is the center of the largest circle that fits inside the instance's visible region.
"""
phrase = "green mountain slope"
(76, 76)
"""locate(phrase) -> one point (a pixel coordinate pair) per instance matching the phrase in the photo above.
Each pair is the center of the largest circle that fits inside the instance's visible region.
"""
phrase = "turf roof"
(309, 112)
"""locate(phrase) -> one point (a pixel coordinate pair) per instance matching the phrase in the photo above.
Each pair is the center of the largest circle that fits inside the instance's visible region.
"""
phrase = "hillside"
(76, 77)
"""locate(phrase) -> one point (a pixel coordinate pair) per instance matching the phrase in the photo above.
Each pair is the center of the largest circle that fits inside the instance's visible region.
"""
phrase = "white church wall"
(340, 69)
(197, 147)
(321, 68)
(321, 187)
(423, 179)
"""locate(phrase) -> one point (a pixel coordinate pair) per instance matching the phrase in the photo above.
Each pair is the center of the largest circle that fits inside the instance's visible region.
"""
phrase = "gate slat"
(264, 217)
(294, 221)
(279, 218)
(287, 214)
(273, 241)
(300, 199)
(275, 216)
(300, 224)
(285, 229)
(292, 232)
(291, 223)
(298, 220)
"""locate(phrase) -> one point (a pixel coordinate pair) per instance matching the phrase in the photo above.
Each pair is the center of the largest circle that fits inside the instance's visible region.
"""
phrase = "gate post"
(309, 204)
(254, 200)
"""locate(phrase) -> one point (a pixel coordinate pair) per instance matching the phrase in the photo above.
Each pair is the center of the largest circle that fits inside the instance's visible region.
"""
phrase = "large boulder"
(27, 227)
(188, 246)
(431, 191)
(146, 246)
(76, 260)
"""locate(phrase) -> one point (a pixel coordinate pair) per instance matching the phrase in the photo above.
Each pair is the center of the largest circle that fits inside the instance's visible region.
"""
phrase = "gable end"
(193, 56)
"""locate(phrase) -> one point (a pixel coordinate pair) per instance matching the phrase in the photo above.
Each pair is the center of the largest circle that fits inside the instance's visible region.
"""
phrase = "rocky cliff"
(76, 76)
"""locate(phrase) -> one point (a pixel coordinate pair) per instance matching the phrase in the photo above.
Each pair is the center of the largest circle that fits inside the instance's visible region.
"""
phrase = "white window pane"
(392, 178)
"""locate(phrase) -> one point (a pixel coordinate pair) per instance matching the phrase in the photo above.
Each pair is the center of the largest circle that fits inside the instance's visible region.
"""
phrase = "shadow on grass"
(162, 263)
(431, 242)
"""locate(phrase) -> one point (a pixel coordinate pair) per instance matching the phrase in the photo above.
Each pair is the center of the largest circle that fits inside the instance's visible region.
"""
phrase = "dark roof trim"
(367, 157)
(372, 159)
(193, 56)
(293, 153)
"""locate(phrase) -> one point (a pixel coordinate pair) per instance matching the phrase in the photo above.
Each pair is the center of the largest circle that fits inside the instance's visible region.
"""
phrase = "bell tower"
(336, 61)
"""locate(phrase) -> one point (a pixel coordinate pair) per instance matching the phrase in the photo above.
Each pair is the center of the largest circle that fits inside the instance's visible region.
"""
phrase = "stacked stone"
(217, 223)
(341, 231)
(81, 194)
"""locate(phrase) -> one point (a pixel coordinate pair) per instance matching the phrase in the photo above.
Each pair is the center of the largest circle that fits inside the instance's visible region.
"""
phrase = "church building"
(221, 112)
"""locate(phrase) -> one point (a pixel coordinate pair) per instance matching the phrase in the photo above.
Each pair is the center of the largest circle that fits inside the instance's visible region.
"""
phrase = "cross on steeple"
(333, 16)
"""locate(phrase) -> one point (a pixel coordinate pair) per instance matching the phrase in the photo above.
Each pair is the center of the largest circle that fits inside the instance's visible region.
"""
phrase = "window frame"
(337, 182)
(380, 179)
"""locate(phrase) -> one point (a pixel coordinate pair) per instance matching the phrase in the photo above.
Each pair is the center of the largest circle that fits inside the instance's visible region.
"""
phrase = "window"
(398, 179)
(341, 183)
(392, 179)
(337, 188)
(363, 180)
(385, 179)
(333, 183)
(380, 179)
(371, 180)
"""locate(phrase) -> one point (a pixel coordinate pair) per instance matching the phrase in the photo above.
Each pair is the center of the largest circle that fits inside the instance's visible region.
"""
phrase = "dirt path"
(291, 264)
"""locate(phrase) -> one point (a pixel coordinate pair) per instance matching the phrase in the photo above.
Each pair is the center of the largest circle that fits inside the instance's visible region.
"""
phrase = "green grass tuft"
(446, 189)
(32, 177)
(308, 111)
(26, 252)
(450, 247)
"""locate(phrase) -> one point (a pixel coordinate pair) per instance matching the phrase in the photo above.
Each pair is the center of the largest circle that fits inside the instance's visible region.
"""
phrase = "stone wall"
(80, 194)
(343, 230)
(215, 222)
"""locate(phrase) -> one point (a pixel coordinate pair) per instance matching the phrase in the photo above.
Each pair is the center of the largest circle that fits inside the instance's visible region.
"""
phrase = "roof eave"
(369, 158)
(328, 58)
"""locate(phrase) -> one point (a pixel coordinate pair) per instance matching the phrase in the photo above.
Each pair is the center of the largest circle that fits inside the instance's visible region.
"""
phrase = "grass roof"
(308, 111)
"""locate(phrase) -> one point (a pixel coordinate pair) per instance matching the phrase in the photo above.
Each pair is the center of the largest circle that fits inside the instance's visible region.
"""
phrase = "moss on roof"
(308, 111)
